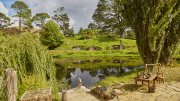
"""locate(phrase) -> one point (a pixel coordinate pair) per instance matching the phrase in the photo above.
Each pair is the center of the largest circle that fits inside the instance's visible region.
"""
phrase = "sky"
(79, 11)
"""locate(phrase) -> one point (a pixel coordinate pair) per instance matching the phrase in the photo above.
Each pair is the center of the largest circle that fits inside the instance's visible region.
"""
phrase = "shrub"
(32, 61)
(51, 35)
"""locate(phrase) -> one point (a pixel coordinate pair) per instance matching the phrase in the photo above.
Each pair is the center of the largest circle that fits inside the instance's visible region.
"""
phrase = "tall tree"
(92, 26)
(71, 32)
(108, 18)
(62, 19)
(22, 12)
(40, 18)
(156, 24)
(80, 31)
(4, 19)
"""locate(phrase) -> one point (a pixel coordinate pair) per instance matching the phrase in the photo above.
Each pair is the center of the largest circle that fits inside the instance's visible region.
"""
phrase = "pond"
(92, 70)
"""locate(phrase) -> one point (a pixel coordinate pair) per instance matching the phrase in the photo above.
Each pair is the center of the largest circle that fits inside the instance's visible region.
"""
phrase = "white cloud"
(3, 9)
(79, 11)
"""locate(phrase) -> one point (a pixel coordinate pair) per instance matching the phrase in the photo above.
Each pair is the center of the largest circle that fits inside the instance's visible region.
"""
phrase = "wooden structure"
(37, 95)
(156, 71)
(11, 82)
(152, 78)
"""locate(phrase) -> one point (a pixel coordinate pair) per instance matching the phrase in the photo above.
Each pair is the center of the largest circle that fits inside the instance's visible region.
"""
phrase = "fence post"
(11, 83)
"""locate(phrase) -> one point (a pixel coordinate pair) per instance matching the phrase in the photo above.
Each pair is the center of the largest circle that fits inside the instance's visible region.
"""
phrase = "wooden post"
(64, 95)
(79, 83)
(11, 83)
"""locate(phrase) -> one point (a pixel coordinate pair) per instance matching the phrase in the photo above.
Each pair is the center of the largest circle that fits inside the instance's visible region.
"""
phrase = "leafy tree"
(50, 35)
(22, 11)
(71, 32)
(4, 19)
(92, 26)
(108, 18)
(80, 31)
(40, 18)
(88, 33)
(62, 19)
(156, 26)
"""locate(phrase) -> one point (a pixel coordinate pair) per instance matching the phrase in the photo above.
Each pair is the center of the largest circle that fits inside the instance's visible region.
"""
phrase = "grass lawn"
(127, 77)
(66, 49)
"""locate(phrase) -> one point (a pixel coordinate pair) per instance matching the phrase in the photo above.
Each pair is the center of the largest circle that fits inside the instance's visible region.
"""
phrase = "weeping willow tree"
(156, 24)
(32, 61)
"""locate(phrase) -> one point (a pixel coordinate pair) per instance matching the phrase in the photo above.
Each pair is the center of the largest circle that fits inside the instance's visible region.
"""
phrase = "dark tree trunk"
(122, 31)
(19, 25)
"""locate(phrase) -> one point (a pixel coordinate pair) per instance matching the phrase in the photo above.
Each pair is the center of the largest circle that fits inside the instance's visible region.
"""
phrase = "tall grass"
(32, 61)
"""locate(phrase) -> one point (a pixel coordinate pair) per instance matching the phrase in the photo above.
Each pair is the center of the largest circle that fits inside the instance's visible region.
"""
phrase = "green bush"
(51, 35)
(32, 61)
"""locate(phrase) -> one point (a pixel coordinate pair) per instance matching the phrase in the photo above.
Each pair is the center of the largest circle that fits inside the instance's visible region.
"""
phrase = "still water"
(92, 70)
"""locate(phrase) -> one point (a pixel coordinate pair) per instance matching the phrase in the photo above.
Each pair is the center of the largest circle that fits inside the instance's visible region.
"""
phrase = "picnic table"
(152, 78)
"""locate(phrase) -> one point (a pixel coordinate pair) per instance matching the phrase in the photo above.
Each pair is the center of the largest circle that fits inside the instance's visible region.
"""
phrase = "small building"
(77, 47)
(94, 48)
(115, 47)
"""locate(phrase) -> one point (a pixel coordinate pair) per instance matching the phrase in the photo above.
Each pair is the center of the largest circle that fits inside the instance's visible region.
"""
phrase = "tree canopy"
(40, 18)
(62, 19)
(108, 18)
(4, 19)
(156, 26)
(50, 35)
(23, 13)
(92, 26)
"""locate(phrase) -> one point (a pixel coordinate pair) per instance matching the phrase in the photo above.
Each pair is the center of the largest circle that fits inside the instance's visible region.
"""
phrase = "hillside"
(15, 30)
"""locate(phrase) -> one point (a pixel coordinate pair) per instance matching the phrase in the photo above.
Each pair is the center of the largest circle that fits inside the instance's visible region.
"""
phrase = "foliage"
(88, 33)
(23, 13)
(80, 31)
(4, 19)
(92, 26)
(50, 35)
(156, 26)
(32, 61)
(40, 18)
(62, 19)
(108, 18)
(71, 32)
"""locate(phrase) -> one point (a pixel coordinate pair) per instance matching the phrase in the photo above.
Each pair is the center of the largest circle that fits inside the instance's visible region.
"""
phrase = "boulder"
(116, 92)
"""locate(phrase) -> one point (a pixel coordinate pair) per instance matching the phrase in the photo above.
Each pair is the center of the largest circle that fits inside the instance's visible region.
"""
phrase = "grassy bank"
(172, 70)
(69, 48)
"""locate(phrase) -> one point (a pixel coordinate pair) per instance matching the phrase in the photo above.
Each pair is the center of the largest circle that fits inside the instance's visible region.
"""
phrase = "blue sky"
(79, 11)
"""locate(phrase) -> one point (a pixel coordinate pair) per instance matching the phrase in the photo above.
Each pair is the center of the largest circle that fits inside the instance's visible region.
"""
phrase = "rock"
(64, 95)
(101, 95)
(117, 84)
(116, 92)
(161, 98)
(104, 88)
(93, 90)
(107, 96)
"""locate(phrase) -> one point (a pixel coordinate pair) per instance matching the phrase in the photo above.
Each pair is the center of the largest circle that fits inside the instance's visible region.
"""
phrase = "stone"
(93, 90)
(79, 83)
(101, 95)
(107, 96)
(104, 88)
(116, 92)
(161, 98)
(64, 95)
(148, 97)
(117, 84)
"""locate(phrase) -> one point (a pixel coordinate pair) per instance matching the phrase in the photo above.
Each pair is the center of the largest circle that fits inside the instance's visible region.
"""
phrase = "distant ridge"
(15, 30)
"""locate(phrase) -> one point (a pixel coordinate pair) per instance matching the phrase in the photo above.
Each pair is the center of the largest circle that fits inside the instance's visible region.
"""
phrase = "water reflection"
(95, 70)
